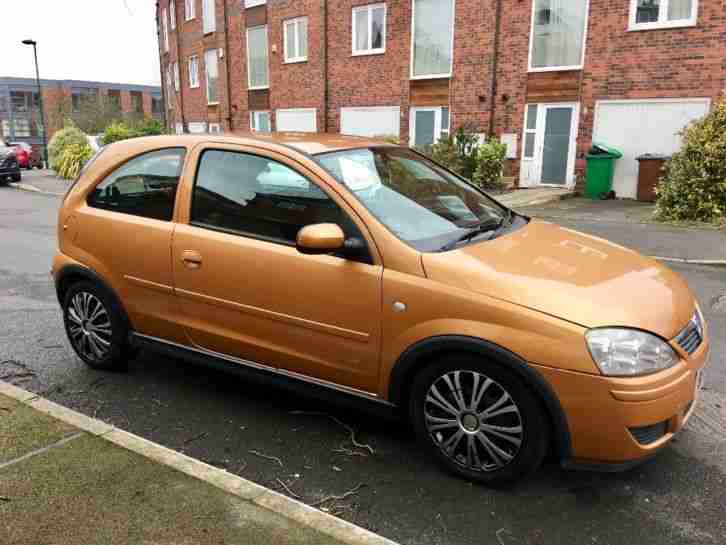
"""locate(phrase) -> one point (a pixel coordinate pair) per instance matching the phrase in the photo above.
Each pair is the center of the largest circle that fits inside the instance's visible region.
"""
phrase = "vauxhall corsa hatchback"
(349, 264)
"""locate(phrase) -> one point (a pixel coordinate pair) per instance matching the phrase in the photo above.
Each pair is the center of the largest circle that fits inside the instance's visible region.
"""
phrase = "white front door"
(549, 145)
(427, 125)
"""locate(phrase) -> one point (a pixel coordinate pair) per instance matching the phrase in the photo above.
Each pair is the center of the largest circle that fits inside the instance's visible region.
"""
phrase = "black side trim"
(606, 467)
(70, 271)
(270, 378)
(455, 343)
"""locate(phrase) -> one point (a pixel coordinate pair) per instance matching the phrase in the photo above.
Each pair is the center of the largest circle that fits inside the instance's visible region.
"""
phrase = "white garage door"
(371, 121)
(642, 126)
(302, 120)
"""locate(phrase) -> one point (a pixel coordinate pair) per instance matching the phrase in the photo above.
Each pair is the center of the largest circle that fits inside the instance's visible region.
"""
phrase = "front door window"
(549, 144)
(428, 125)
(556, 152)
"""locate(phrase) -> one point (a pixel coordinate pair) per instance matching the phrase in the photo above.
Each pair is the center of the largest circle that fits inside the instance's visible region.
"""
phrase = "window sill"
(295, 61)
(194, 86)
(190, 19)
(261, 88)
(555, 69)
(432, 76)
(213, 103)
(661, 26)
(208, 32)
(368, 52)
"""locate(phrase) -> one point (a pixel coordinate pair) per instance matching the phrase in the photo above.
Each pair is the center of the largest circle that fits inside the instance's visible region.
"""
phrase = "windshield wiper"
(483, 227)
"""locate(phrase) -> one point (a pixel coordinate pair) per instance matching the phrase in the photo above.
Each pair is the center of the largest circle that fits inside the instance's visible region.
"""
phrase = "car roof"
(308, 143)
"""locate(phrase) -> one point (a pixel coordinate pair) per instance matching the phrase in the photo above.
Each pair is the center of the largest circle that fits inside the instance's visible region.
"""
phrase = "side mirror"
(320, 238)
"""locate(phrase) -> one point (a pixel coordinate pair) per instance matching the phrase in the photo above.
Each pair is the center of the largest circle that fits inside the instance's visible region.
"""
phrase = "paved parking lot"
(677, 498)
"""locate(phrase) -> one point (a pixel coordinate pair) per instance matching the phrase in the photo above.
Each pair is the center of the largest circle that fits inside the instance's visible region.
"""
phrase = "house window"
(558, 35)
(165, 29)
(137, 102)
(253, 3)
(176, 77)
(257, 64)
(156, 104)
(210, 65)
(208, 17)
(193, 72)
(433, 38)
(428, 125)
(649, 14)
(215, 128)
(189, 9)
(114, 100)
(260, 122)
(369, 29)
(296, 39)
(22, 128)
(172, 14)
(83, 98)
(530, 131)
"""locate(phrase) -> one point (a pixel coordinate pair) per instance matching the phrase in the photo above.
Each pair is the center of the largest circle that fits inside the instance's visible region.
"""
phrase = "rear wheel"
(17, 177)
(479, 420)
(95, 328)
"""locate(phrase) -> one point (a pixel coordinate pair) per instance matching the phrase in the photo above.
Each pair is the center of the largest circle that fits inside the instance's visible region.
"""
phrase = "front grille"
(691, 337)
(645, 435)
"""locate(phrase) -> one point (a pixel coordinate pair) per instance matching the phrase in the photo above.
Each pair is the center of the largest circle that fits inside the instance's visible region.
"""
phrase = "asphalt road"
(680, 497)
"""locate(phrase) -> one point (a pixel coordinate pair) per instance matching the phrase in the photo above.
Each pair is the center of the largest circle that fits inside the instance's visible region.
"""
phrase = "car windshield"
(420, 202)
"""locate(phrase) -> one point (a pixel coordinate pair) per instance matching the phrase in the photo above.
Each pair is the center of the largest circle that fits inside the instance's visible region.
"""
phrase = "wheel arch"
(419, 355)
(70, 274)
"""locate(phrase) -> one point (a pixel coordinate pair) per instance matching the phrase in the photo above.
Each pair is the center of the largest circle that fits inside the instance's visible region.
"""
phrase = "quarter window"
(259, 197)
(296, 40)
(257, 62)
(369, 29)
(144, 186)
(433, 38)
(530, 131)
(558, 35)
(210, 65)
(648, 14)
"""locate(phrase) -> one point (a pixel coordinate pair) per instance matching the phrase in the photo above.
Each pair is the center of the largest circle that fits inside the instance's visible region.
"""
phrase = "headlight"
(620, 352)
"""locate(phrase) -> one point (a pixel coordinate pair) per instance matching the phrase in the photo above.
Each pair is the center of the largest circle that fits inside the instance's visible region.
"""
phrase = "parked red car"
(28, 156)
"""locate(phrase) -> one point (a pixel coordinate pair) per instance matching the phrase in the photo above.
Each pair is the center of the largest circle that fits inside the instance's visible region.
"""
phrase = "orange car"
(353, 265)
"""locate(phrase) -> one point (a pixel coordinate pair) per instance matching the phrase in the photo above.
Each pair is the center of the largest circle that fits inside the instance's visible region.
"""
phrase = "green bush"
(489, 165)
(69, 135)
(71, 160)
(693, 187)
(123, 130)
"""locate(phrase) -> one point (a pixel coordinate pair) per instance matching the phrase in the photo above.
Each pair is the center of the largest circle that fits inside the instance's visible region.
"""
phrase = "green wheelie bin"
(600, 170)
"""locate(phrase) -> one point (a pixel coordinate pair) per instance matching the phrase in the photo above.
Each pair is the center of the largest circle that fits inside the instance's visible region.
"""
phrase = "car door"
(124, 232)
(245, 290)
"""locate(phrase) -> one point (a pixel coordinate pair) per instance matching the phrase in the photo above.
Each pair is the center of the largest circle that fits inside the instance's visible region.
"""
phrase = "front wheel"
(95, 327)
(479, 420)
(17, 177)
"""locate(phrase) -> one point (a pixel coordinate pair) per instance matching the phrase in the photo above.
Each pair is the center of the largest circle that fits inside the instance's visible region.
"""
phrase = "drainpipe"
(164, 98)
(178, 28)
(226, 58)
(495, 63)
(325, 66)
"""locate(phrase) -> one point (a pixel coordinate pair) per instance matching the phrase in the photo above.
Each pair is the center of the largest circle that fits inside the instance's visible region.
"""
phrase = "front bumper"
(616, 423)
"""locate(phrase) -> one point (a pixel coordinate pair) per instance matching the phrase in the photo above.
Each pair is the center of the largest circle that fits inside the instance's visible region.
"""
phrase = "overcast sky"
(96, 40)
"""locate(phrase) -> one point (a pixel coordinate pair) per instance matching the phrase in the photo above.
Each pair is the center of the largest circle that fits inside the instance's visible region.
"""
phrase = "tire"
(17, 177)
(100, 343)
(498, 456)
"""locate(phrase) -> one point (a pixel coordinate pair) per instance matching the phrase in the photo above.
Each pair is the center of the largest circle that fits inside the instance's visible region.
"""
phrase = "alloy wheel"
(89, 326)
(473, 420)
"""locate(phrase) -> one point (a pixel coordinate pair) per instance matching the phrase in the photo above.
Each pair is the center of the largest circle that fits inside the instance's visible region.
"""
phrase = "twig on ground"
(196, 438)
(266, 457)
(296, 496)
(499, 537)
(23, 374)
(348, 452)
(3, 498)
(98, 382)
(340, 423)
(349, 493)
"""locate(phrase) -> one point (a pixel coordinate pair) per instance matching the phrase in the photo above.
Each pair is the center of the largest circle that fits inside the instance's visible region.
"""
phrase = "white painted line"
(42, 450)
(306, 515)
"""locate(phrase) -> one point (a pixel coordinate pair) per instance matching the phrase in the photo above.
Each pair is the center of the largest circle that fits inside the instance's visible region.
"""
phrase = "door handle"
(192, 259)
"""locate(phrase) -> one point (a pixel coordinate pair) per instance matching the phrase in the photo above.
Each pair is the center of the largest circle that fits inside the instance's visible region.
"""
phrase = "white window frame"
(439, 131)
(255, 122)
(165, 29)
(527, 131)
(286, 47)
(206, 74)
(369, 50)
(190, 9)
(413, 37)
(193, 62)
(663, 21)
(172, 14)
(557, 68)
(253, 3)
(176, 76)
(209, 17)
(250, 87)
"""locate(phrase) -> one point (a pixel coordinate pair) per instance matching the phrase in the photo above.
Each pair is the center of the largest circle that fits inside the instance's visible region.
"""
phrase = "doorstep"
(520, 198)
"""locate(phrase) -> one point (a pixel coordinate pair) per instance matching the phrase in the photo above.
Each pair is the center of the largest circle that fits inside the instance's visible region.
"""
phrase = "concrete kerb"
(708, 262)
(232, 484)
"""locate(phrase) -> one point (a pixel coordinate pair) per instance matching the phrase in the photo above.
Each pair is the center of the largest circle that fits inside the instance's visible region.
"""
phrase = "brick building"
(546, 76)
(89, 103)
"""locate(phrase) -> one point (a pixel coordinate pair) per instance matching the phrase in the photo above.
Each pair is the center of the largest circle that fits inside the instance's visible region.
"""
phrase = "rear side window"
(144, 186)
(259, 197)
